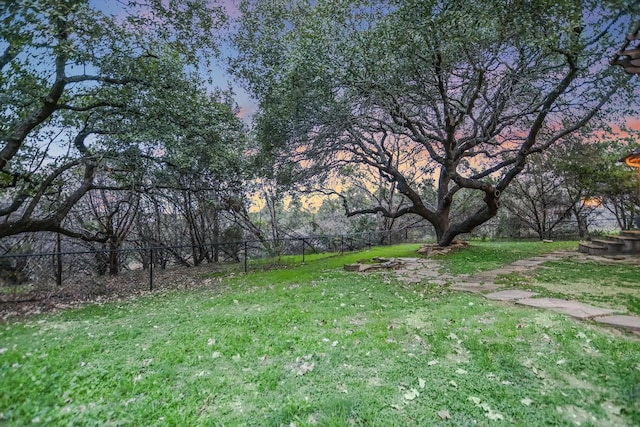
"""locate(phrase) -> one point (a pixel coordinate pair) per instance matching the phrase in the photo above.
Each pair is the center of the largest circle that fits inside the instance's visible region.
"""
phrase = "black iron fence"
(45, 273)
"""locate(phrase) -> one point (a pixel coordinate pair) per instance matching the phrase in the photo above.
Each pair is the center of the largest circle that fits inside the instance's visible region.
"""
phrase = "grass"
(316, 261)
(315, 345)
(484, 256)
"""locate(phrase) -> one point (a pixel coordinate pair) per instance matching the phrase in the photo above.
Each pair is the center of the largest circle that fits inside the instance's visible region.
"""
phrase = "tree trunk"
(447, 232)
(216, 235)
(114, 259)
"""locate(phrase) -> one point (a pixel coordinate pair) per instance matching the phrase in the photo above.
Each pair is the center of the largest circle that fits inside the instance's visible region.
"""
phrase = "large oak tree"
(83, 90)
(469, 90)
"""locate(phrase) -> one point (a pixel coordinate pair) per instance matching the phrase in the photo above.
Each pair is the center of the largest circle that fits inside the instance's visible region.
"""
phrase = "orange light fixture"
(632, 159)
(634, 162)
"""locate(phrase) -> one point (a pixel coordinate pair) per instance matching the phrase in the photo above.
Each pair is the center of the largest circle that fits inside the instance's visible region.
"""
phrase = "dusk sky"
(222, 79)
(218, 72)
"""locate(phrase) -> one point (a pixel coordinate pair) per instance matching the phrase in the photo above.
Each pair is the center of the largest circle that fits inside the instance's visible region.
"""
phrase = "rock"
(366, 267)
(392, 264)
(510, 295)
(572, 308)
(435, 249)
(621, 321)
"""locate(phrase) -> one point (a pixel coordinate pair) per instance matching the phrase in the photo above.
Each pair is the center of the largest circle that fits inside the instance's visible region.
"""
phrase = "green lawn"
(483, 256)
(315, 345)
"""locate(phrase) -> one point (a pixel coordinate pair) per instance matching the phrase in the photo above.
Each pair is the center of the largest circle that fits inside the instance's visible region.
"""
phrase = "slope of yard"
(315, 345)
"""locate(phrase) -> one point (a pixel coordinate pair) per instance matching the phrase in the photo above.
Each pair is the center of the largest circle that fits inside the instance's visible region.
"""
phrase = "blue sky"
(218, 71)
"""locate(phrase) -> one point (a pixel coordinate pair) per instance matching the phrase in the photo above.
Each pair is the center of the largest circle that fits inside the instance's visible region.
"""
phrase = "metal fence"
(46, 274)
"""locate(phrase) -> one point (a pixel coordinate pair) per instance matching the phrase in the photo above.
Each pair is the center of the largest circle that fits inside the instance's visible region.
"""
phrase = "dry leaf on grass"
(411, 394)
(444, 414)
(526, 401)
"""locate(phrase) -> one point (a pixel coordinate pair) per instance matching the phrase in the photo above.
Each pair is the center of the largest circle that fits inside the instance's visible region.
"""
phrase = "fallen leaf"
(474, 399)
(211, 341)
(444, 414)
(612, 409)
(460, 371)
(561, 362)
(495, 416)
(526, 401)
(411, 394)
(453, 383)
(432, 362)
(452, 336)
(305, 367)
(3, 350)
(421, 382)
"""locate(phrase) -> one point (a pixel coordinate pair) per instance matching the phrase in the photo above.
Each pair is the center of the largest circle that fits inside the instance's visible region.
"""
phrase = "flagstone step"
(572, 308)
(631, 243)
(628, 242)
(473, 287)
(621, 321)
(630, 233)
(613, 246)
(510, 295)
(593, 248)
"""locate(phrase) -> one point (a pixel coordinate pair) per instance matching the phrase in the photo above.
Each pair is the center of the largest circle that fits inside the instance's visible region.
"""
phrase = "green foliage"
(94, 97)
(596, 168)
(457, 92)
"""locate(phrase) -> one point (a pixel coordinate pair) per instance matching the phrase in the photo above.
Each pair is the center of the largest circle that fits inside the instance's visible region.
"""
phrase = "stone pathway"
(483, 283)
(425, 270)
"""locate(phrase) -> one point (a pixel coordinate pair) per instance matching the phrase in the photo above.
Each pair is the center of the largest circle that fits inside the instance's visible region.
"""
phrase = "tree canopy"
(456, 92)
(86, 94)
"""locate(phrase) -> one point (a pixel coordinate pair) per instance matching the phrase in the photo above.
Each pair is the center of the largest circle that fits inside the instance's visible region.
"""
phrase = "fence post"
(303, 251)
(150, 269)
(245, 256)
(59, 261)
